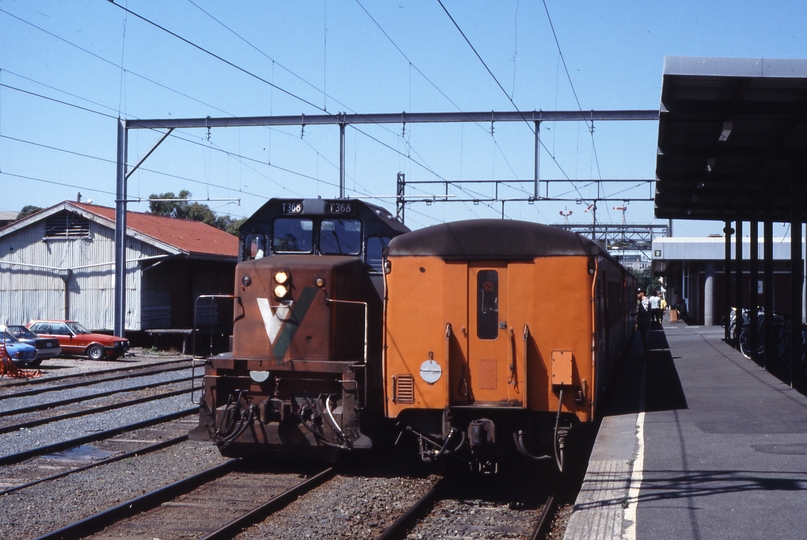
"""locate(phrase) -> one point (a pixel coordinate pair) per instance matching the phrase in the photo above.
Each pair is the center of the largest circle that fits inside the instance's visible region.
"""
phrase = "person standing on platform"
(643, 319)
(655, 310)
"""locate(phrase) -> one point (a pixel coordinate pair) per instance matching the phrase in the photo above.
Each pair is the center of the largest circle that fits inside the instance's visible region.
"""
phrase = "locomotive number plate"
(291, 207)
(338, 208)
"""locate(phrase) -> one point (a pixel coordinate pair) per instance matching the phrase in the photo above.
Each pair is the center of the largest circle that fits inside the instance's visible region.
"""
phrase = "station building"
(694, 270)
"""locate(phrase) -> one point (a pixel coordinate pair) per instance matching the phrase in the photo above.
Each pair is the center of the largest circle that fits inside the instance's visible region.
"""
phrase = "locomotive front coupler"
(431, 450)
(274, 410)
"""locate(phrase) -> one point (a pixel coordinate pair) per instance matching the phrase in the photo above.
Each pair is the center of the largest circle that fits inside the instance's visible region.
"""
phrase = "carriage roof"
(490, 239)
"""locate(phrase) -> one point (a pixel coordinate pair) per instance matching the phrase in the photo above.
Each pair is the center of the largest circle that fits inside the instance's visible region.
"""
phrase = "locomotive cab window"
(487, 306)
(293, 235)
(254, 246)
(375, 256)
(340, 237)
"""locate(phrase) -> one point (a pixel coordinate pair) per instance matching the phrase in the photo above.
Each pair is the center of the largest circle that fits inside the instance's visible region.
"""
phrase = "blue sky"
(68, 69)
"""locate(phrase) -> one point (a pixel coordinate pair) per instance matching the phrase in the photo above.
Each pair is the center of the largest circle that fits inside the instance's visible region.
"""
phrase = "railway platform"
(697, 442)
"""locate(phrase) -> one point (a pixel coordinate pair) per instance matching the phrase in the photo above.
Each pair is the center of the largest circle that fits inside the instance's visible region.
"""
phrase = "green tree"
(643, 279)
(182, 209)
(28, 210)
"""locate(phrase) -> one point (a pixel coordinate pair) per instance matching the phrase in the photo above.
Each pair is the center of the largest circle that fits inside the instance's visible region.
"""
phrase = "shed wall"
(71, 278)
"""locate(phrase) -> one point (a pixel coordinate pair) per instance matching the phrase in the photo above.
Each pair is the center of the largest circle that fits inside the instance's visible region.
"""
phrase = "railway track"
(16, 402)
(8, 387)
(50, 465)
(43, 413)
(184, 509)
(77, 416)
(94, 437)
(444, 512)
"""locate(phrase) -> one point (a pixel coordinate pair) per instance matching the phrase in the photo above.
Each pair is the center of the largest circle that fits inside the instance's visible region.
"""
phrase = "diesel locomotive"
(500, 337)
(304, 375)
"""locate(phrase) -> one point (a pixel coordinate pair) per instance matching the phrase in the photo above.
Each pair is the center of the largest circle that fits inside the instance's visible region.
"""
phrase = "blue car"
(22, 354)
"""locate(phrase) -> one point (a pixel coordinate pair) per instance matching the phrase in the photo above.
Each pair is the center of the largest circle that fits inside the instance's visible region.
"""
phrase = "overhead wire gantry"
(531, 118)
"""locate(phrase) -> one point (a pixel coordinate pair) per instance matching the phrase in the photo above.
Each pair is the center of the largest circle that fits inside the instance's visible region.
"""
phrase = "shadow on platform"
(662, 386)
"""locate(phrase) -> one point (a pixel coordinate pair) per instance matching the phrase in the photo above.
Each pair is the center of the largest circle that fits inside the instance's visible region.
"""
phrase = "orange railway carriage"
(499, 337)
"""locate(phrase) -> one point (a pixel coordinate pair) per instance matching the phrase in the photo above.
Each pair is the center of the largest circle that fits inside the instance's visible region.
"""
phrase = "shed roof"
(732, 132)
(175, 236)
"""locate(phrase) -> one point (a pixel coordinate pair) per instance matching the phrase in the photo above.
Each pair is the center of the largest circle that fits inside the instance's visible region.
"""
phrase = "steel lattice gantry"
(617, 237)
(532, 118)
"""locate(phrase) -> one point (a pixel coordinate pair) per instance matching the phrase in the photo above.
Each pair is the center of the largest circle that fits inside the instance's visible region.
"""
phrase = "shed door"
(494, 364)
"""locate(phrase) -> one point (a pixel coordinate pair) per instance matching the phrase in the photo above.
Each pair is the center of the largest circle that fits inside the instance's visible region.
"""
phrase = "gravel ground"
(28, 439)
(48, 506)
(73, 365)
(122, 385)
(346, 507)
(474, 518)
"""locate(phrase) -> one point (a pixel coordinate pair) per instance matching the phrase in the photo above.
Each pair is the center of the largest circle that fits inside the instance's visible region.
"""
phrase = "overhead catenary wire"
(532, 129)
(253, 75)
(110, 108)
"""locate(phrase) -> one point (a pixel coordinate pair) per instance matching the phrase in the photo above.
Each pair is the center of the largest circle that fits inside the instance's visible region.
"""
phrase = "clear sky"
(69, 68)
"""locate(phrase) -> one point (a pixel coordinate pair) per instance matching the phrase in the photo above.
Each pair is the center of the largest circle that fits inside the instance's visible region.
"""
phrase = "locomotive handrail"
(366, 321)
(366, 333)
(513, 381)
(448, 359)
(193, 341)
(526, 360)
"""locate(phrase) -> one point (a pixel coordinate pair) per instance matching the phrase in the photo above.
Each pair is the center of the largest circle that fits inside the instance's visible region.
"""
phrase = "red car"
(77, 340)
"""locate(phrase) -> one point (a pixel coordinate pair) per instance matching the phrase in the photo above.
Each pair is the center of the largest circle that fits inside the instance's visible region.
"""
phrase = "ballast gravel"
(347, 507)
(122, 385)
(63, 430)
(42, 508)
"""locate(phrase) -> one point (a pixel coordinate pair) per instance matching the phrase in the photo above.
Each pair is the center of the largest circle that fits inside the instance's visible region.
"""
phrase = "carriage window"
(487, 307)
(340, 237)
(293, 234)
(375, 259)
(255, 246)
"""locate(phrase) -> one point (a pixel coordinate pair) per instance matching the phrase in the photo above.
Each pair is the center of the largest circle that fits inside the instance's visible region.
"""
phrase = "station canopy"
(732, 140)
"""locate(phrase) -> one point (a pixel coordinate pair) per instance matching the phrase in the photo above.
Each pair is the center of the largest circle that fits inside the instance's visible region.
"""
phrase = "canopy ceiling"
(759, 108)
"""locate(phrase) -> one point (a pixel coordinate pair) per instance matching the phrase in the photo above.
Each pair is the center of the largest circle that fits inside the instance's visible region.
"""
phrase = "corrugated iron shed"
(59, 263)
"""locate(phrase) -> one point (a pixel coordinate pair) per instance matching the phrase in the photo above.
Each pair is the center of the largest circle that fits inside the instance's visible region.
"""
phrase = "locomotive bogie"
(309, 411)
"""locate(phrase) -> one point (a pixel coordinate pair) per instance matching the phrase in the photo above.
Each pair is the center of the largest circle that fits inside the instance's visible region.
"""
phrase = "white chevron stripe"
(272, 320)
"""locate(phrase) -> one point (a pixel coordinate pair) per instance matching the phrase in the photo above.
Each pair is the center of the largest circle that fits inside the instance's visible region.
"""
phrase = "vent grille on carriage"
(404, 389)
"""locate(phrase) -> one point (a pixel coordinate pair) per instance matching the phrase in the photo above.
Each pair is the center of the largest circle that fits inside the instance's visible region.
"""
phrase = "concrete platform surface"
(698, 442)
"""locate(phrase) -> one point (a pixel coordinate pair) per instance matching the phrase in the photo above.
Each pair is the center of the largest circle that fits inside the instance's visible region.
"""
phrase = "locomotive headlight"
(319, 282)
(246, 281)
(281, 291)
(281, 277)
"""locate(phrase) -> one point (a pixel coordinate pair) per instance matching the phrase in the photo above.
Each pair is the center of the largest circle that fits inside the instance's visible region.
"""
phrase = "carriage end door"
(495, 362)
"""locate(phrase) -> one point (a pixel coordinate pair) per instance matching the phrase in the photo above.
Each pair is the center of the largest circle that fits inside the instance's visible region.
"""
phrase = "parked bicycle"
(784, 341)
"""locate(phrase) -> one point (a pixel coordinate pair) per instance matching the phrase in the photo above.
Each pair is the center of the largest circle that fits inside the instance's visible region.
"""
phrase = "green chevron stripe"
(292, 324)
